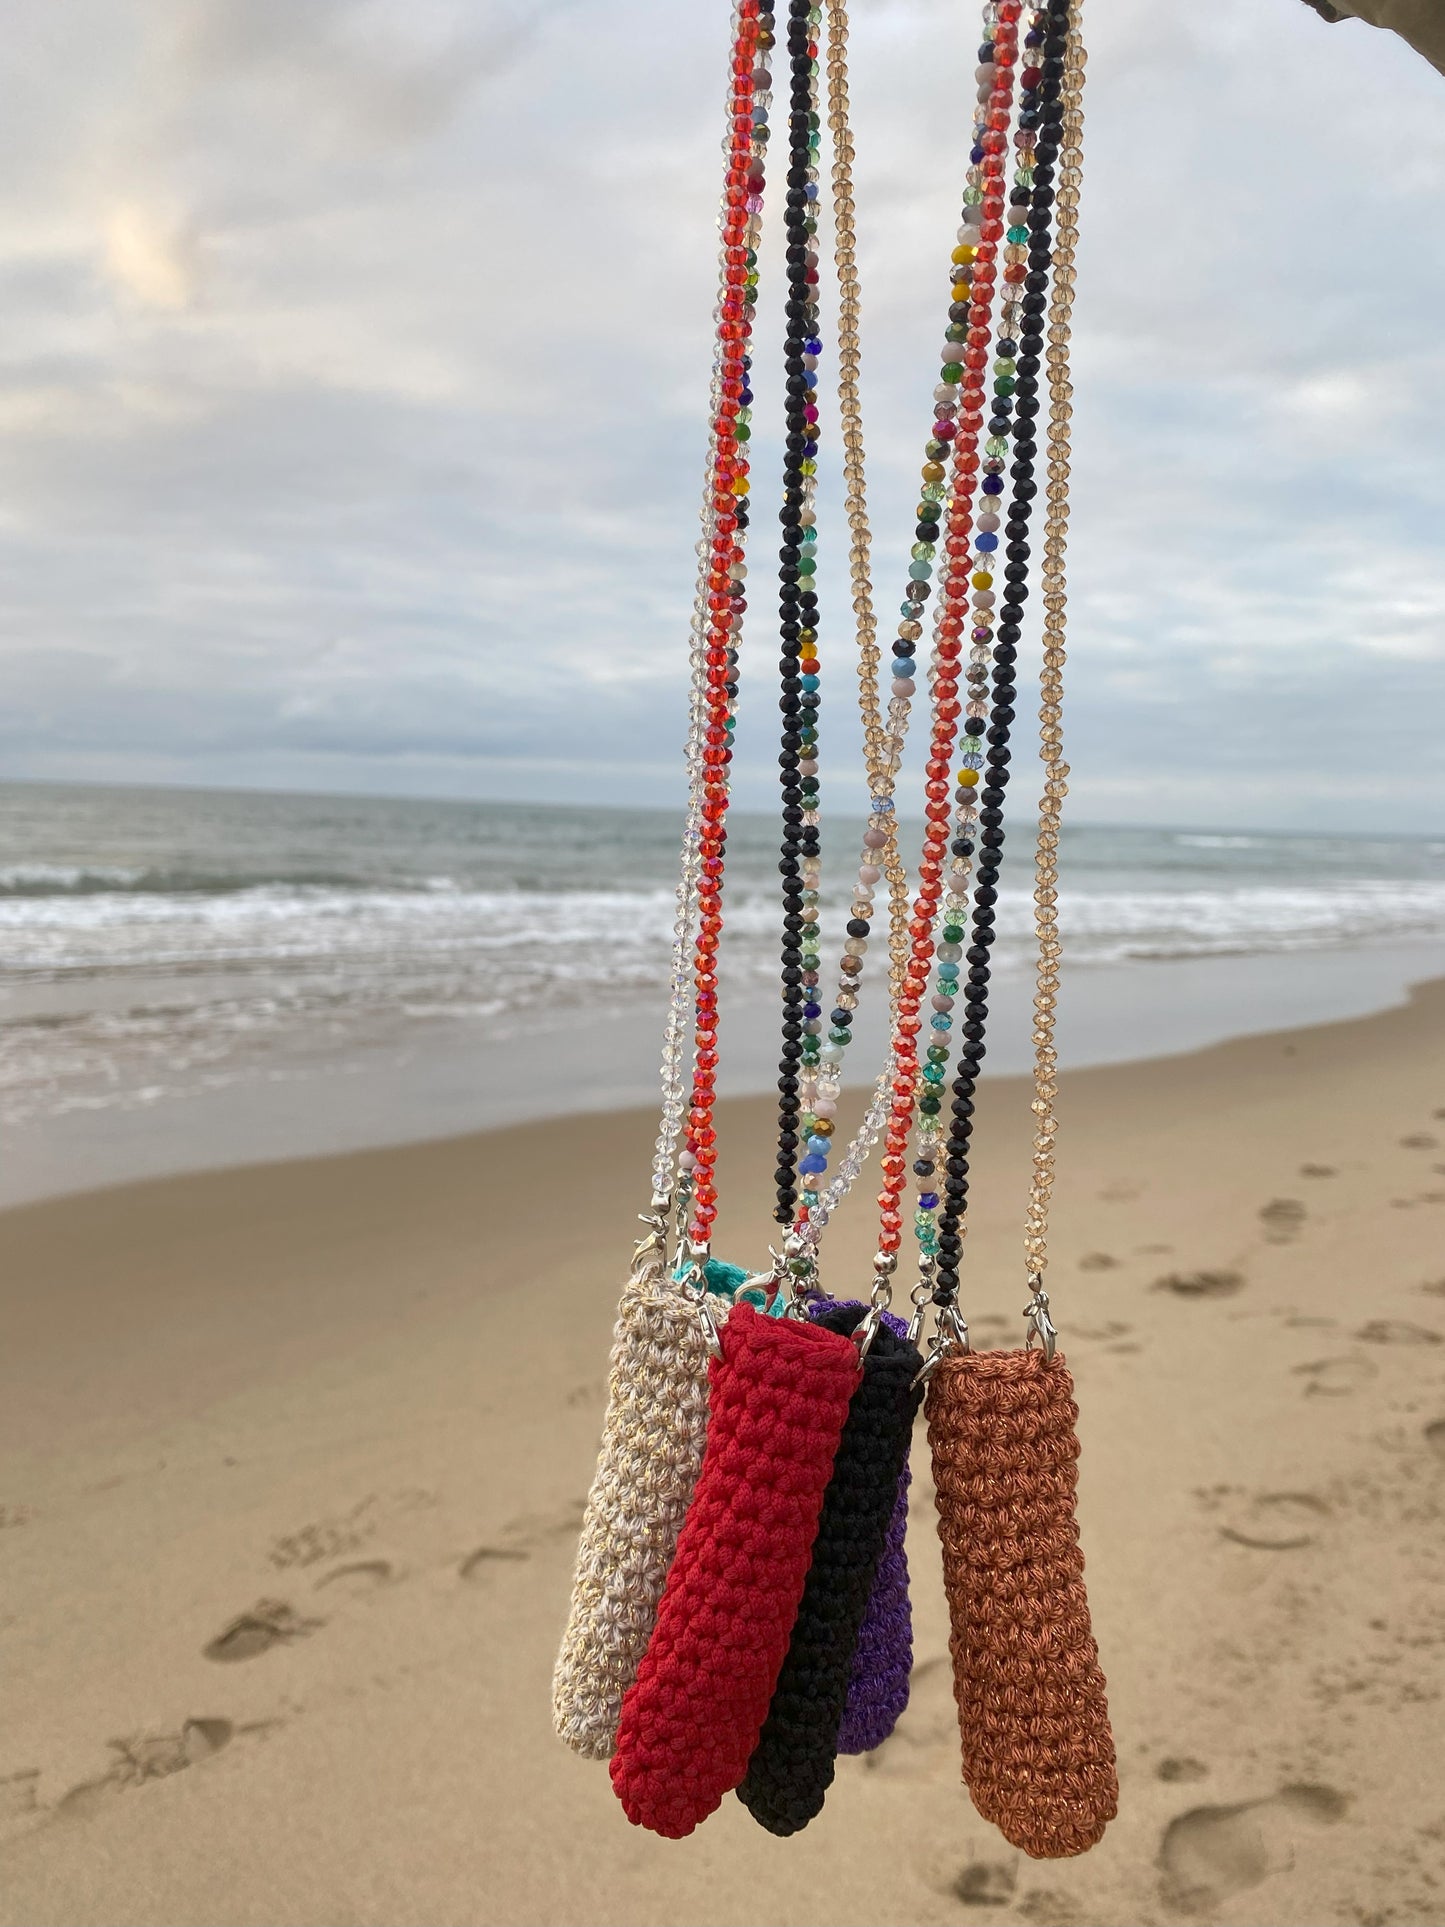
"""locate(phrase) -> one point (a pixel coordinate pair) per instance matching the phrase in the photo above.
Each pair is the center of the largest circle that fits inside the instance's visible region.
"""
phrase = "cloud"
(150, 259)
(355, 357)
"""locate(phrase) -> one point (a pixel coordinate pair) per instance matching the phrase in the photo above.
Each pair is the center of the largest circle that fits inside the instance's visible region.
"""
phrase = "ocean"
(179, 955)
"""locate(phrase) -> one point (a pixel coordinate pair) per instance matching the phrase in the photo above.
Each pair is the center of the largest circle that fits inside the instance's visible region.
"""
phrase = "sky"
(353, 375)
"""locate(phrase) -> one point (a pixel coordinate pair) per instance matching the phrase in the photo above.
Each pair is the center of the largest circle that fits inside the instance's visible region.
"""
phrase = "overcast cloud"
(354, 360)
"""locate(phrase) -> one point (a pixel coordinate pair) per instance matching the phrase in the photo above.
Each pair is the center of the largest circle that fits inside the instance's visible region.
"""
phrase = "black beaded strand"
(797, 600)
(1038, 107)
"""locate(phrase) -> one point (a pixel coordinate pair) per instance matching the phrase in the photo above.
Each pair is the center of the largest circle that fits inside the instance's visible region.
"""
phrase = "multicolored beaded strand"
(954, 914)
(973, 296)
(823, 1060)
(820, 1070)
(1014, 411)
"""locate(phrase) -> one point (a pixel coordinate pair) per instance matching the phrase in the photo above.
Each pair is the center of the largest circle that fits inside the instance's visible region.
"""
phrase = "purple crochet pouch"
(883, 1658)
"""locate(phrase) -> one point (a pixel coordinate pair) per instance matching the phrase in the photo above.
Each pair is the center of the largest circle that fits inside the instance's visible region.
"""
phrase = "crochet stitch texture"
(792, 1767)
(691, 1720)
(652, 1447)
(878, 1684)
(1038, 1754)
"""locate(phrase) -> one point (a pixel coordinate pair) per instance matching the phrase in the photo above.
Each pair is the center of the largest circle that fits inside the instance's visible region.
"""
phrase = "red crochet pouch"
(1038, 1755)
(692, 1717)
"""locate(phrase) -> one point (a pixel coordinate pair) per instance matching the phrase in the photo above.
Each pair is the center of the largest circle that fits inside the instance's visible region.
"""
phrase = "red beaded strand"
(729, 483)
(954, 590)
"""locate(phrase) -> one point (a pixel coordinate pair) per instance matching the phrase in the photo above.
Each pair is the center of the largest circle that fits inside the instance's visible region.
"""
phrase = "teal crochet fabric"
(728, 1283)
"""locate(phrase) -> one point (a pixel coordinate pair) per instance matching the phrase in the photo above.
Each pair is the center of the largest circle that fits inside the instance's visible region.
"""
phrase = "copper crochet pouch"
(1038, 1753)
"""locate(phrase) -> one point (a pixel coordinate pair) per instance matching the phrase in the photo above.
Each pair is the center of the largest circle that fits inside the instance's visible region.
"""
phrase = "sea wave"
(625, 935)
(31, 881)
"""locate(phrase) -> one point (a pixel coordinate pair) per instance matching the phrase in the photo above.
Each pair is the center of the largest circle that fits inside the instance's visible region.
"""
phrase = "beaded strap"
(1035, 86)
(743, 197)
(800, 862)
(679, 1028)
(822, 1061)
(964, 377)
(1056, 770)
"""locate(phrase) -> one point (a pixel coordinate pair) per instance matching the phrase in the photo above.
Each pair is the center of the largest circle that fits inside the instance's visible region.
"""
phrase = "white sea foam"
(159, 944)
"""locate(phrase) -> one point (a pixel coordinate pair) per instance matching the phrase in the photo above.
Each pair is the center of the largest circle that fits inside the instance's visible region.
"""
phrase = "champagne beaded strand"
(1056, 770)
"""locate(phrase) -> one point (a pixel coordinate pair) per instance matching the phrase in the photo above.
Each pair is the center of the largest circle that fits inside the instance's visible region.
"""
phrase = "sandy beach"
(295, 1455)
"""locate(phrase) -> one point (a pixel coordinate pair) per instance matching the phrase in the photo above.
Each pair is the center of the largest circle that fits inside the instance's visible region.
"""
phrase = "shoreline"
(430, 1089)
(324, 1428)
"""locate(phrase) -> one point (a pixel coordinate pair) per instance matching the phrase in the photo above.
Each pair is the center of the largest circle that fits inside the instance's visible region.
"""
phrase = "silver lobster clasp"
(950, 1335)
(1039, 1328)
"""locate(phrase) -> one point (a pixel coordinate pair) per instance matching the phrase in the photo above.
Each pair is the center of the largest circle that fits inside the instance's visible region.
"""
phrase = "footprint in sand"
(1275, 1521)
(1200, 1284)
(362, 1576)
(270, 1622)
(1047, 1907)
(1317, 1171)
(1185, 1767)
(1435, 1437)
(1281, 1218)
(1098, 1261)
(1212, 1853)
(984, 1883)
(1419, 1141)
(480, 1564)
(147, 1756)
(1335, 1377)
(1397, 1331)
(17, 1794)
(1108, 1333)
(1154, 1251)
